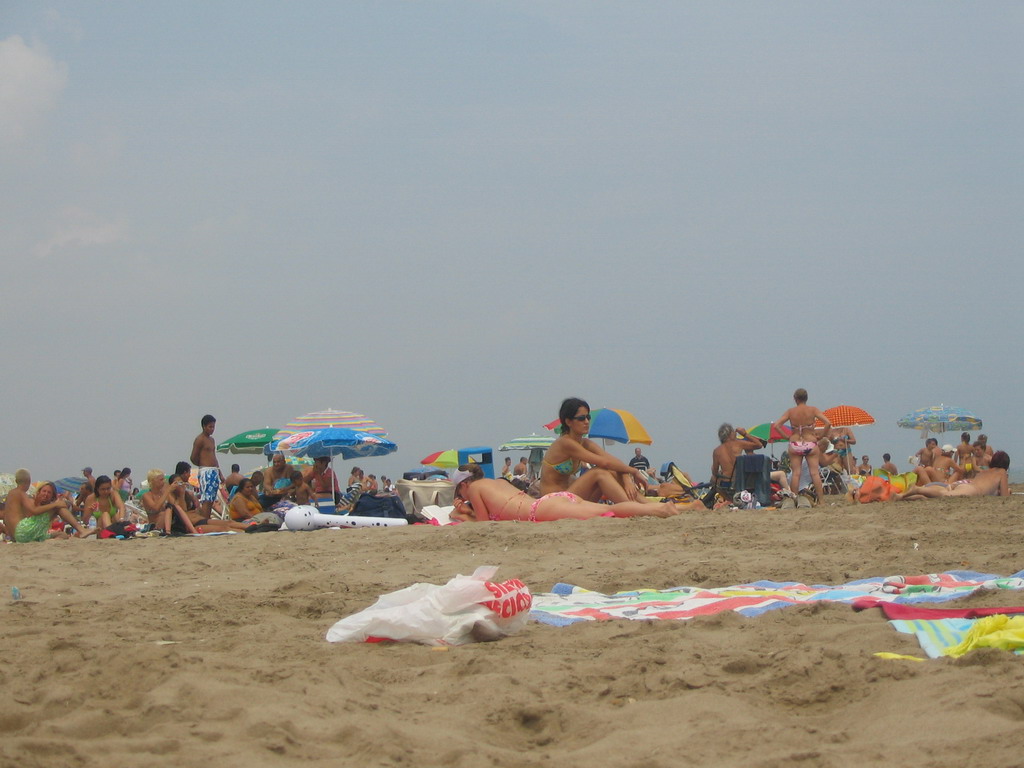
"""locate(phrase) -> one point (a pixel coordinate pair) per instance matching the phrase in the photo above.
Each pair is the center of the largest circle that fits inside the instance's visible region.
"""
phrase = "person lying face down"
(479, 499)
(993, 481)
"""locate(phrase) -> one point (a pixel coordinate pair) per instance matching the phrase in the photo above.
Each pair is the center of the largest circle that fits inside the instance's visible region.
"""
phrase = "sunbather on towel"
(609, 477)
(479, 499)
(803, 443)
(988, 482)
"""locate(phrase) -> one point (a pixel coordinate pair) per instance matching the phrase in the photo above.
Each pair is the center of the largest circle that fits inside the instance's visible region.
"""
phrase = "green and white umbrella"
(528, 443)
(247, 442)
(535, 444)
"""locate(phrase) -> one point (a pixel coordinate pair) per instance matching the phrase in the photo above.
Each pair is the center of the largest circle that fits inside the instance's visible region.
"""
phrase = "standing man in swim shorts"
(204, 458)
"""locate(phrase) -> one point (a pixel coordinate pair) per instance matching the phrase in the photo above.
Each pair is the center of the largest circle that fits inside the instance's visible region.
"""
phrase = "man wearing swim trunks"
(733, 442)
(27, 521)
(204, 458)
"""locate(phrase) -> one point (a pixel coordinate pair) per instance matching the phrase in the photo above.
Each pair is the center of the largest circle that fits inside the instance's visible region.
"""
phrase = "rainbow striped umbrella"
(325, 420)
(618, 425)
(445, 459)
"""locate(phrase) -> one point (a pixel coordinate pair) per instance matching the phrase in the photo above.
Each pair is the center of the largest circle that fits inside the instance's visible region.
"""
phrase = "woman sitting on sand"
(104, 504)
(803, 443)
(988, 482)
(478, 499)
(609, 478)
(245, 504)
(160, 509)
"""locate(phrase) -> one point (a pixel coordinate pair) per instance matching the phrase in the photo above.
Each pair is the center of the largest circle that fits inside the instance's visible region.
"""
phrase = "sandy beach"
(211, 651)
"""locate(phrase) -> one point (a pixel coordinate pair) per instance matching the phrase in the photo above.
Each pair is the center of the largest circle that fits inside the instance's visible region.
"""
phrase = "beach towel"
(567, 604)
(955, 637)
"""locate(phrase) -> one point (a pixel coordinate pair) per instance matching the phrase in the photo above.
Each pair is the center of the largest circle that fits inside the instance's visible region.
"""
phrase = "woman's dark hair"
(1000, 460)
(100, 481)
(568, 410)
(126, 471)
(244, 482)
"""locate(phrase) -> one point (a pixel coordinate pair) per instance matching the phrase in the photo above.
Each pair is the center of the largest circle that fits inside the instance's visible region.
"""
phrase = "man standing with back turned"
(204, 458)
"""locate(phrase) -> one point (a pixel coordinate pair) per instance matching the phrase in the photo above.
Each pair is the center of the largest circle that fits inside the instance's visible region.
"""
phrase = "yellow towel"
(998, 631)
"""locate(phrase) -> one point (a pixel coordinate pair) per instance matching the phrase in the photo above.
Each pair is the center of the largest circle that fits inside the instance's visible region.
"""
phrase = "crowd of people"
(195, 498)
(578, 479)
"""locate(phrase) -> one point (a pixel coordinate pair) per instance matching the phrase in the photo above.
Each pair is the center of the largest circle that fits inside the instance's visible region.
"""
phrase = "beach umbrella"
(778, 435)
(535, 444)
(69, 484)
(335, 441)
(323, 420)
(618, 425)
(528, 443)
(444, 459)
(848, 416)
(247, 442)
(940, 418)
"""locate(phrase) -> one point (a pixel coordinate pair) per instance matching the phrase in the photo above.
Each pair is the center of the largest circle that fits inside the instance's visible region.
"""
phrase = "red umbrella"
(848, 416)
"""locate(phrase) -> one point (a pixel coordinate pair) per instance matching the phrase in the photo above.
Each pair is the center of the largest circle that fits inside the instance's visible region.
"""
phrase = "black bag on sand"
(382, 506)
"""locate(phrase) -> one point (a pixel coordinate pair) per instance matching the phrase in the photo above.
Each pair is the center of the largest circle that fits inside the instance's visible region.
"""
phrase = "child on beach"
(300, 492)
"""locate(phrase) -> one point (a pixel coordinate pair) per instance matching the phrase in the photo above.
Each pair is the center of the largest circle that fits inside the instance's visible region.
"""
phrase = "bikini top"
(563, 467)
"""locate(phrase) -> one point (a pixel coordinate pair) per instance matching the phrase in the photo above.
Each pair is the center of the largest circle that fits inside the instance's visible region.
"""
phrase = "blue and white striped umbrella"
(941, 418)
(69, 484)
(335, 441)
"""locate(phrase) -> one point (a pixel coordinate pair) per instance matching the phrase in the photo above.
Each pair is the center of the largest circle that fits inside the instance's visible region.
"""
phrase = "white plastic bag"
(466, 609)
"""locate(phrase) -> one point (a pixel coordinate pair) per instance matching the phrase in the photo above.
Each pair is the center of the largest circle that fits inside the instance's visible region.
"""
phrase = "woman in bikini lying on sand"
(479, 499)
(803, 443)
(988, 482)
(610, 478)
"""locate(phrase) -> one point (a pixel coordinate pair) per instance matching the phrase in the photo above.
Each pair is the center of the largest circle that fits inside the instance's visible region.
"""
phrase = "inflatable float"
(309, 518)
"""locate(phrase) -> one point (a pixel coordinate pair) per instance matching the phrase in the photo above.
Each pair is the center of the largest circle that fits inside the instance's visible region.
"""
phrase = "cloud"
(78, 227)
(30, 84)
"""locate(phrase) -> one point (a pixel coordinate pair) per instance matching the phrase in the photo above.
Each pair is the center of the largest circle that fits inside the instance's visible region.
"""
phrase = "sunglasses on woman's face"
(584, 417)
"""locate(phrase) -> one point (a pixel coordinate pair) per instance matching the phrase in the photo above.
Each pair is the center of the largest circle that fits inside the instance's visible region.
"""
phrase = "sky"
(449, 216)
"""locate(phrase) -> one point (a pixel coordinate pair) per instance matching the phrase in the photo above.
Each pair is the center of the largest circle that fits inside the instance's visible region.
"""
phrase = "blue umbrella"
(334, 441)
(941, 418)
(69, 484)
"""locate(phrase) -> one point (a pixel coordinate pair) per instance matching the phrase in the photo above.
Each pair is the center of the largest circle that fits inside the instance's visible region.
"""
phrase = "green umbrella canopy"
(247, 442)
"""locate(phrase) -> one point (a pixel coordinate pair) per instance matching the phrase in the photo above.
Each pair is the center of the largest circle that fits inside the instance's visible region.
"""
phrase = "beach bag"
(466, 609)
(118, 531)
(874, 489)
(378, 506)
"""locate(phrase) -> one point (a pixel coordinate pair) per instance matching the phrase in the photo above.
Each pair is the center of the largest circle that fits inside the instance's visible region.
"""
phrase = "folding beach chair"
(677, 476)
(831, 481)
(135, 513)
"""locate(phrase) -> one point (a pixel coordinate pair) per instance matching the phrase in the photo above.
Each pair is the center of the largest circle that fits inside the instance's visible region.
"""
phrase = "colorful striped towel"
(568, 604)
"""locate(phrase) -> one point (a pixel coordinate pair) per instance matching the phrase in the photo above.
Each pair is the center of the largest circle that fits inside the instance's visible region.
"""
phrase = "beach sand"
(210, 651)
